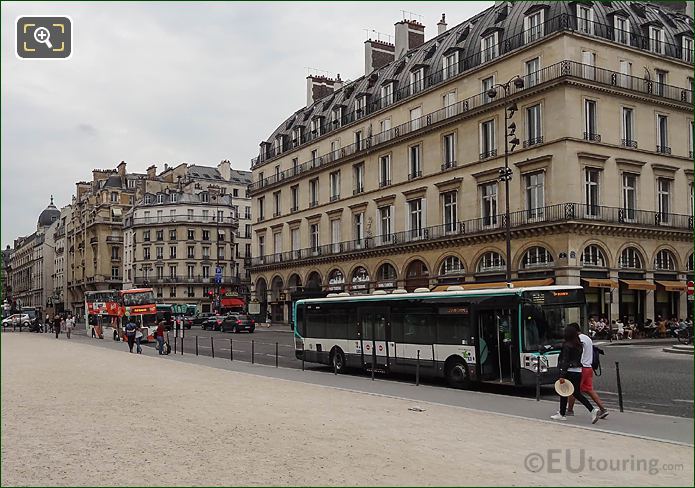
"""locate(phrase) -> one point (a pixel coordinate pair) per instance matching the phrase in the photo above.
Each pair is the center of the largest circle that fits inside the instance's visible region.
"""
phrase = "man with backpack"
(590, 362)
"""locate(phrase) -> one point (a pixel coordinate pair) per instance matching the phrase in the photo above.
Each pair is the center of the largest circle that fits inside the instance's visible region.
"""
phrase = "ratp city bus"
(476, 335)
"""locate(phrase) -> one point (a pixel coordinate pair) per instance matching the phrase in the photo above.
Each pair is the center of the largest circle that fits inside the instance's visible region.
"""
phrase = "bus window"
(545, 325)
(453, 328)
(379, 321)
(299, 320)
(315, 322)
(337, 317)
(413, 325)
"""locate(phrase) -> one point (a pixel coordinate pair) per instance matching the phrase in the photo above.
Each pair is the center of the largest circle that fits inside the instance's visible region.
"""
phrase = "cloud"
(155, 82)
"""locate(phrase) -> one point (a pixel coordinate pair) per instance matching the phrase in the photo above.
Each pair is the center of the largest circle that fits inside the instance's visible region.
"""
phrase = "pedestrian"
(46, 324)
(570, 363)
(586, 384)
(159, 335)
(69, 324)
(138, 338)
(130, 333)
(56, 325)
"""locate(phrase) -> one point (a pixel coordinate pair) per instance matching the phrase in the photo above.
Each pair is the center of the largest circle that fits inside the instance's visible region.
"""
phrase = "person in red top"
(159, 335)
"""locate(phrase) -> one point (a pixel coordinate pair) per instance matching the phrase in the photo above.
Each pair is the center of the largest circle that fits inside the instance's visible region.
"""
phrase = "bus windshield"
(138, 298)
(545, 325)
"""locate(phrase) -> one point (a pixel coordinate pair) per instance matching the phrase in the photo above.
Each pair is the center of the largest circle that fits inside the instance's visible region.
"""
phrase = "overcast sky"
(150, 83)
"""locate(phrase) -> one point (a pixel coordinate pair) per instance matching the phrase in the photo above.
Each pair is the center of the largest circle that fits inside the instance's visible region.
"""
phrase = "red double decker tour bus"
(140, 304)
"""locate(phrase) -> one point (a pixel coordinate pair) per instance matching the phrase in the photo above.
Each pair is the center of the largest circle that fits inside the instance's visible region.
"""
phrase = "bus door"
(374, 338)
(495, 355)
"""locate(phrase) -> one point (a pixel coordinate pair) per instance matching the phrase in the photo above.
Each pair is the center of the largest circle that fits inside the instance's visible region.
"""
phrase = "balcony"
(560, 23)
(415, 174)
(663, 149)
(552, 214)
(292, 210)
(358, 190)
(591, 136)
(183, 280)
(488, 154)
(533, 141)
(628, 143)
(185, 219)
(448, 165)
(384, 183)
(276, 214)
(313, 204)
(335, 198)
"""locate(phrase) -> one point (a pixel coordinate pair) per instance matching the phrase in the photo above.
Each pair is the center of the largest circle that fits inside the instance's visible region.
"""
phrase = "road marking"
(606, 392)
(682, 401)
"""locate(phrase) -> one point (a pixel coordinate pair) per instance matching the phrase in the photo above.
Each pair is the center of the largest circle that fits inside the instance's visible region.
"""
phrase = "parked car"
(213, 323)
(16, 319)
(201, 318)
(235, 322)
(188, 322)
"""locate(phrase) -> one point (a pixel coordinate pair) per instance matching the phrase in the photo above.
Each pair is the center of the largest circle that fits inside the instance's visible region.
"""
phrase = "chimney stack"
(225, 169)
(441, 25)
(409, 35)
(121, 168)
(338, 83)
(152, 172)
(377, 54)
(318, 87)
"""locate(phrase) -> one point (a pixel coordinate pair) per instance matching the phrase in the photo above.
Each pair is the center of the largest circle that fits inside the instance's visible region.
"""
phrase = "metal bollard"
(253, 352)
(373, 360)
(276, 354)
(212, 346)
(182, 346)
(303, 353)
(620, 388)
(417, 369)
(196, 345)
(175, 342)
(231, 352)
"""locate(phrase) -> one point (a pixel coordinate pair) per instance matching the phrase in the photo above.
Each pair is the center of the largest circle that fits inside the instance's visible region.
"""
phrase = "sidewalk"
(288, 432)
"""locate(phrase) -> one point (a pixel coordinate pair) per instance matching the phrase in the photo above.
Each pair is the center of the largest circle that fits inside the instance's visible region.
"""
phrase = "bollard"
(196, 345)
(212, 346)
(417, 369)
(620, 388)
(253, 352)
(373, 360)
(231, 353)
(303, 351)
(276, 354)
(175, 342)
(538, 376)
(182, 345)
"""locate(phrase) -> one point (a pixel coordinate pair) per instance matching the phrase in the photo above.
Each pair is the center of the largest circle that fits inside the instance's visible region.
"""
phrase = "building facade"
(176, 240)
(393, 181)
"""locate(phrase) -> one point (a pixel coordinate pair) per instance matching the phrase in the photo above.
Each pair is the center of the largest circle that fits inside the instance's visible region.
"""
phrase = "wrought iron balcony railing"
(591, 136)
(183, 280)
(533, 141)
(563, 212)
(663, 149)
(628, 143)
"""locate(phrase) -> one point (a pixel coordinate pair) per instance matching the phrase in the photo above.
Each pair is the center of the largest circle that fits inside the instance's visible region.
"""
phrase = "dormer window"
(360, 104)
(533, 26)
(489, 47)
(148, 199)
(205, 197)
(451, 65)
(585, 19)
(417, 78)
(297, 136)
(687, 46)
(621, 30)
(277, 145)
(656, 39)
(174, 197)
(160, 198)
(336, 116)
(387, 94)
(316, 123)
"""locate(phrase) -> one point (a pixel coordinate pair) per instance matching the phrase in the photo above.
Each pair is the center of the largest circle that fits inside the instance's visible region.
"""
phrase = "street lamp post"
(506, 172)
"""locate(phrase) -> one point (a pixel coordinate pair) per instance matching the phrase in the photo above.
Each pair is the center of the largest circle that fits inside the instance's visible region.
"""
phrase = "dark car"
(188, 322)
(237, 322)
(214, 322)
(201, 318)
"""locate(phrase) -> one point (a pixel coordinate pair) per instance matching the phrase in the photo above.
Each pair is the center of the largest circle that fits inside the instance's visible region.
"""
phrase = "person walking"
(586, 385)
(130, 333)
(159, 335)
(570, 363)
(138, 338)
(46, 324)
(69, 325)
(56, 325)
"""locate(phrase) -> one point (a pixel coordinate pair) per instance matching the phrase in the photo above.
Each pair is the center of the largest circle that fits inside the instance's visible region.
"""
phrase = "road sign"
(691, 288)
(218, 270)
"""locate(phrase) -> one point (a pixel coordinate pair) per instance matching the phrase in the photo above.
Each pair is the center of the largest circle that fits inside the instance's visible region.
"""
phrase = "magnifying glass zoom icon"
(43, 36)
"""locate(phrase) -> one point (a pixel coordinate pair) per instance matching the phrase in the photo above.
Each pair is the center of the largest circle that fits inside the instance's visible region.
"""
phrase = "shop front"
(598, 290)
(633, 290)
(359, 284)
(667, 297)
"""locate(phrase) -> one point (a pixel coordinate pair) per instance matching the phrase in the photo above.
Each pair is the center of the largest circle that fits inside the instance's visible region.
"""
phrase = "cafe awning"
(496, 284)
(673, 285)
(232, 303)
(600, 283)
(639, 284)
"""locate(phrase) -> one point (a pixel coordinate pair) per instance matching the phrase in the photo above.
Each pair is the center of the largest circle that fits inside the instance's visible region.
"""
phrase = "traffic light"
(211, 294)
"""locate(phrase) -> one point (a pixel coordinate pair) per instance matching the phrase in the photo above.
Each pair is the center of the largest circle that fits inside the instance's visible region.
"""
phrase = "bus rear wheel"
(338, 360)
(457, 374)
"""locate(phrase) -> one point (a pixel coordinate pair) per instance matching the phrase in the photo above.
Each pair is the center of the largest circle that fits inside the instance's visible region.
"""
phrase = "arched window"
(336, 277)
(665, 261)
(691, 262)
(451, 265)
(593, 256)
(630, 259)
(537, 257)
(491, 261)
(360, 275)
(386, 272)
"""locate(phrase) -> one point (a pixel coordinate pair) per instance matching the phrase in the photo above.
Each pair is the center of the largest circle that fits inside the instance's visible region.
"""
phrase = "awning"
(117, 212)
(600, 283)
(639, 284)
(496, 284)
(232, 303)
(673, 285)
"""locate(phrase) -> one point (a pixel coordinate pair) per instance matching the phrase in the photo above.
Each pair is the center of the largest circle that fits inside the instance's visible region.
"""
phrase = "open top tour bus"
(495, 335)
(140, 304)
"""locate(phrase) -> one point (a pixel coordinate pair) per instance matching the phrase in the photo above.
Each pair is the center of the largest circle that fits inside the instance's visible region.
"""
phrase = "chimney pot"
(441, 25)
(377, 54)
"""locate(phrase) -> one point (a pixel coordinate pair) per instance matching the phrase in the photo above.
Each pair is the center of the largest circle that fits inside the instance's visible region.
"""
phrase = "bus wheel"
(338, 360)
(457, 374)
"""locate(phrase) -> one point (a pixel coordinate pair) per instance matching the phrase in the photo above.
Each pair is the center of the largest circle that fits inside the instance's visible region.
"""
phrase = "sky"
(155, 83)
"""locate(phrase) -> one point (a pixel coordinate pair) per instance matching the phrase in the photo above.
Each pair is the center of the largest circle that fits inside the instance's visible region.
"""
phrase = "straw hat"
(564, 389)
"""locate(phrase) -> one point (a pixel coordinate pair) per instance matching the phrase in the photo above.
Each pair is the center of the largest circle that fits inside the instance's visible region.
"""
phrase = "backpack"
(596, 361)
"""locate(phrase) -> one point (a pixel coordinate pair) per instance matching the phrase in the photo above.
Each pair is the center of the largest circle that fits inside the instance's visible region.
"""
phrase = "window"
(628, 128)
(358, 226)
(190, 271)
(489, 204)
(294, 192)
(160, 235)
(160, 253)
(261, 245)
(534, 132)
(415, 217)
(190, 293)
(535, 194)
(533, 26)
(450, 211)
(172, 272)
(174, 197)
(386, 94)
(687, 46)
(335, 150)
(294, 238)
(114, 253)
(314, 192)
(206, 252)
(206, 215)
(664, 261)
(416, 80)
(315, 160)
(449, 100)
(486, 85)
(206, 235)
(358, 140)
(585, 19)
(172, 291)
(160, 272)
(590, 130)
(160, 215)
(414, 169)
(630, 258)
(235, 192)
(656, 40)
(276, 204)
(629, 196)
(589, 63)
(335, 235)
(537, 257)
(114, 197)
(334, 183)
(247, 230)
(625, 73)
(172, 252)
(664, 198)
(261, 208)
(206, 271)
(491, 261)
(593, 257)
(451, 266)
(662, 134)
(691, 128)
(385, 170)
(451, 65)
(449, 141)
(360, 103)
(416, 118)
(591, 191)
(661, 81)
(385, 228)
(146, 253)
(487, 139)
(277, 243)
(314, 237)
(336, 116)
(316, 126)
(247, 212)
(115, 272)
(358, 176)
(488, 48)
(172, 234)
(297, 136)
(146, 235)
(189, 214)
(621, 30)
(533, 67)
(191, 252)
